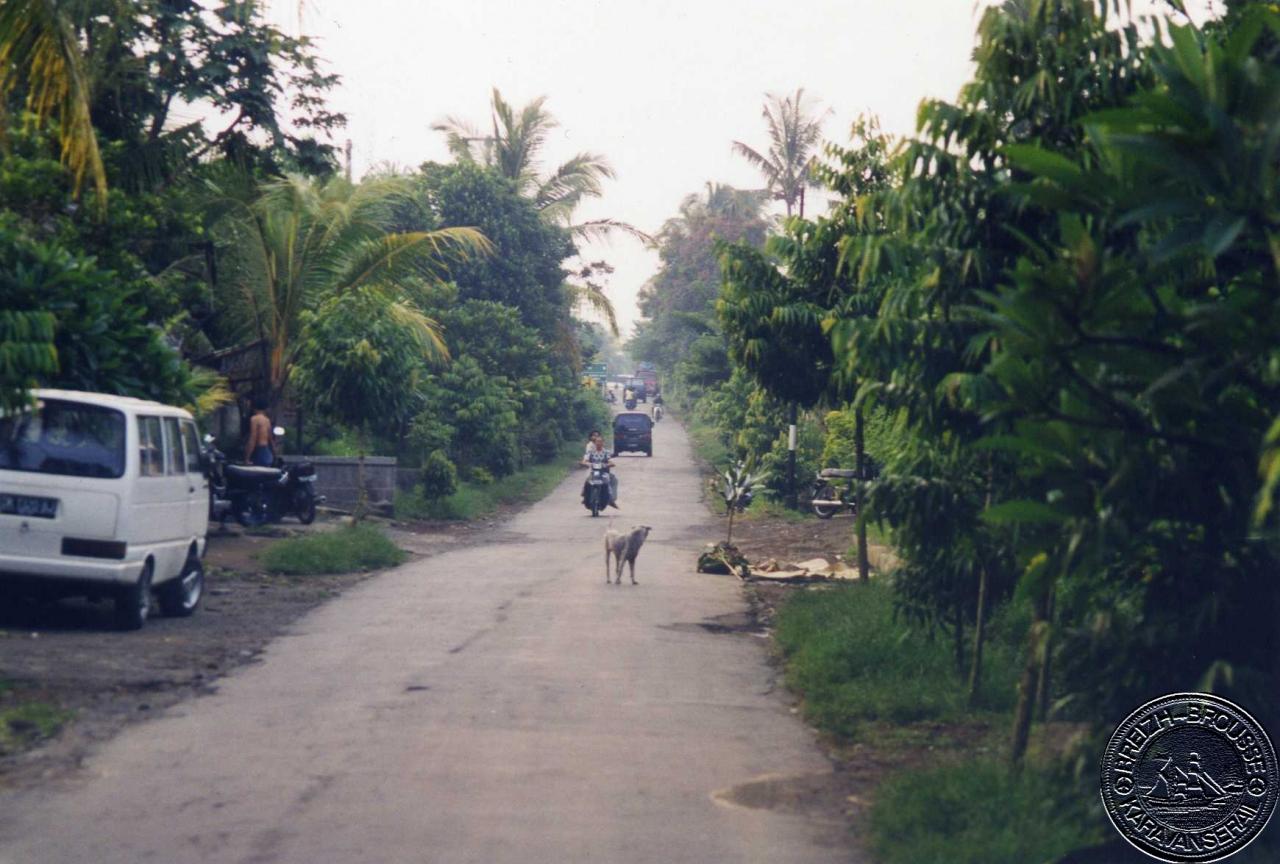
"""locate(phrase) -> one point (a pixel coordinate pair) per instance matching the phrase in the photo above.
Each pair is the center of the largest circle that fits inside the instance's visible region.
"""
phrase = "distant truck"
(650, 378)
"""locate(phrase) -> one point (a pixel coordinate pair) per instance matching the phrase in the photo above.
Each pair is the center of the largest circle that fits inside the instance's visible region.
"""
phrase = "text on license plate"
(28, 505)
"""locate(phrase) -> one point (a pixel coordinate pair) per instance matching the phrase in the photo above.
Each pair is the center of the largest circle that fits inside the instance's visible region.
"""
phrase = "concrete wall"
(336, 479)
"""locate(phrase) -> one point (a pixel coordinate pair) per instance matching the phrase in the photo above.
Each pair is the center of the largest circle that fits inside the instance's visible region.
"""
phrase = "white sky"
(661, 87)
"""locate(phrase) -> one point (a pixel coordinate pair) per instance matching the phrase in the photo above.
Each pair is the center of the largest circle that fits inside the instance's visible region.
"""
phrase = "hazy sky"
(659, 87)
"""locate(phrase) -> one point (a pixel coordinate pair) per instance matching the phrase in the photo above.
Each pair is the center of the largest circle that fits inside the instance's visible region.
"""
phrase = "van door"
(197, 482)
(159, 511)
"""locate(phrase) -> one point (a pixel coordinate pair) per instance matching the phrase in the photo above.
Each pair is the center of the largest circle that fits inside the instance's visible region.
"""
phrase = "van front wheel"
(133, 602)
(180, 597)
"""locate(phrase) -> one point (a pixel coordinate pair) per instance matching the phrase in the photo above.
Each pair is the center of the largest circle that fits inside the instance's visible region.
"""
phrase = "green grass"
(707, 446)
(24, 724)
(853, 662)
(763, 507)
(475, 501)
(355, 547)
(978, 812)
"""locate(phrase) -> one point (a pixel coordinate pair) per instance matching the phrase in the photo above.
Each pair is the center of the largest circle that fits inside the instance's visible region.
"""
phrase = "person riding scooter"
(597, 455)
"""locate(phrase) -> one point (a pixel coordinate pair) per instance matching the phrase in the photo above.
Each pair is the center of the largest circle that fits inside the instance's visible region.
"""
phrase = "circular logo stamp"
(1189, 777)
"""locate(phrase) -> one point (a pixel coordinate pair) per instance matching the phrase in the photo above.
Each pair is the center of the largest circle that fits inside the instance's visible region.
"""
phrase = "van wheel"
(133, 602)
(649, 452)
(180, 597)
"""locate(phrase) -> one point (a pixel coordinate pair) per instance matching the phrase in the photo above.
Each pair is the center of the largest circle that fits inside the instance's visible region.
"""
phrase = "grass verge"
(854, 660)
(474, 501)
(355, 547)
(28, 722)
(979, 812)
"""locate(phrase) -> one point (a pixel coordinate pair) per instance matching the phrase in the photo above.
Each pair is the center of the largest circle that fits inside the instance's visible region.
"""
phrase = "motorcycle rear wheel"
(826, 492)
(304, 505)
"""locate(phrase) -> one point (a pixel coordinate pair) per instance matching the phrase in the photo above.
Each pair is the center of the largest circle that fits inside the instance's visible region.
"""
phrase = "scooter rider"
(597, 455)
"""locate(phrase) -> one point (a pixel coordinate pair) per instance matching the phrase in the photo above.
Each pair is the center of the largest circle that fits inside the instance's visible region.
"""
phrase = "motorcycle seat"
(838, 472)
(253, 472)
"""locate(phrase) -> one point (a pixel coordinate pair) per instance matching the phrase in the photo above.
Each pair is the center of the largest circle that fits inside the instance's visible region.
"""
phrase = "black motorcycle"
(596, 495)
(256, 495)
(630, 404)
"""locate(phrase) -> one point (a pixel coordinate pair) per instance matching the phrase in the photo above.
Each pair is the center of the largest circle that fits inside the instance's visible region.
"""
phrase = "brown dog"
(624, 548)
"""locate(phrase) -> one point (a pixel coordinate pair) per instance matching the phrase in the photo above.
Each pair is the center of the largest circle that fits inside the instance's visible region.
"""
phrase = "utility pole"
(347, 152)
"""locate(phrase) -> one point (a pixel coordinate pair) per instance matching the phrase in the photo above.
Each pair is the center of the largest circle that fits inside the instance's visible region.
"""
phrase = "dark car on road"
(633, 433)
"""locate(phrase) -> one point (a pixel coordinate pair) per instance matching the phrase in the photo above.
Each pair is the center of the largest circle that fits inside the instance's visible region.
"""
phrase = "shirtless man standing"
(259, 447)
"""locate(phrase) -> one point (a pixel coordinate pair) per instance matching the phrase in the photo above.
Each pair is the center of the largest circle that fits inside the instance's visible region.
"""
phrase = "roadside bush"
(854, 660)
(979, 812)
(355, 547)
(439, 476)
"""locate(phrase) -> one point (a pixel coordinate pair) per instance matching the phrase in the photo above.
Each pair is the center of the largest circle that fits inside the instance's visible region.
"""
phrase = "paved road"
(492, 704)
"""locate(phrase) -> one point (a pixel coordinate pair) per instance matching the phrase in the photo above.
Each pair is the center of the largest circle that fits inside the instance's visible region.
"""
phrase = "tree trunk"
(791, 459)
(980, 616)
(860, 460)
(958, 632)
(1044, 679)
(362, 494)
(1023, 713)
(728, 541)
(979, 634)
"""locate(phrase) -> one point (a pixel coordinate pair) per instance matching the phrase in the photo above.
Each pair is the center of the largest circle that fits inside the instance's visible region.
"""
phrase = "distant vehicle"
(106, 497)
(650, 377)
(640, 388)
(633, 433)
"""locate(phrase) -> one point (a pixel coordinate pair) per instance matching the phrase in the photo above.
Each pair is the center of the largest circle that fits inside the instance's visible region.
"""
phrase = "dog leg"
(632, 562)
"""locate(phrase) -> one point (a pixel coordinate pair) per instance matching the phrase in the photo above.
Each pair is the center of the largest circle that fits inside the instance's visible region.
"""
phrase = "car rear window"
(67, 438)
(631, 422)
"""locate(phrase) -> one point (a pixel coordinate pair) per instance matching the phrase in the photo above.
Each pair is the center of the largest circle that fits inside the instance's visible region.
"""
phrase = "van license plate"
(28, 505)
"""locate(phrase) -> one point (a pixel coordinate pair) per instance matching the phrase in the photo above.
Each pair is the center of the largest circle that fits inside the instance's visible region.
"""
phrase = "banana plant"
(737, 482)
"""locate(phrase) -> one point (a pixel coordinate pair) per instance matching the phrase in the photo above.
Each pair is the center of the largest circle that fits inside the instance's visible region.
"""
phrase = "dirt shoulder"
(66, 658)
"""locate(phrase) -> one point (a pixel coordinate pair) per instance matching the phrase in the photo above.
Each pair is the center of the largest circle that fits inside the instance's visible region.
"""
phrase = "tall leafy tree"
(952, 231)
(41, 54)
(787, 163)
(1134, 348)
(301, 242)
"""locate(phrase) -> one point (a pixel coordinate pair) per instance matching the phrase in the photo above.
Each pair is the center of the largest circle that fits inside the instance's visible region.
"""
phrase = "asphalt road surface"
(492, 704)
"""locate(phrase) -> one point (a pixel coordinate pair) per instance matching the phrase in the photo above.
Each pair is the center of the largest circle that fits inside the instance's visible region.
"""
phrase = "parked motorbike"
(828, 499)
(596, 496)
(256, 495)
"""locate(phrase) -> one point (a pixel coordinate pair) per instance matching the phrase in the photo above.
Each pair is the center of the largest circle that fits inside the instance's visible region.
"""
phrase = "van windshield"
(631, 422)
(68, 438)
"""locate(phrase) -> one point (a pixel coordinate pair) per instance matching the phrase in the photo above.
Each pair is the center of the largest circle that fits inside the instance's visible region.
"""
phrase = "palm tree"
(39, 48)
(787, 165)
(512, 148)
(299, 242)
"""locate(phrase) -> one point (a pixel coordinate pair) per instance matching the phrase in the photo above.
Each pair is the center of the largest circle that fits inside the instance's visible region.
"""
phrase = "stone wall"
(336, 479)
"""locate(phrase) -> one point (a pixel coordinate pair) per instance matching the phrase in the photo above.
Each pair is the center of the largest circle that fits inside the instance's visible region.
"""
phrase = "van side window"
(192, 442)
(150, 447)
(173, 446)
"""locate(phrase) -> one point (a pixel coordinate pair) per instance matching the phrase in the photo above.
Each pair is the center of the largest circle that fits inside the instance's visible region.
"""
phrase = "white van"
(104, 496)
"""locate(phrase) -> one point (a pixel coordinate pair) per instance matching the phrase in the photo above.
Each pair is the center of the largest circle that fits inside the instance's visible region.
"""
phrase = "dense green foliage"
(427, 314)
